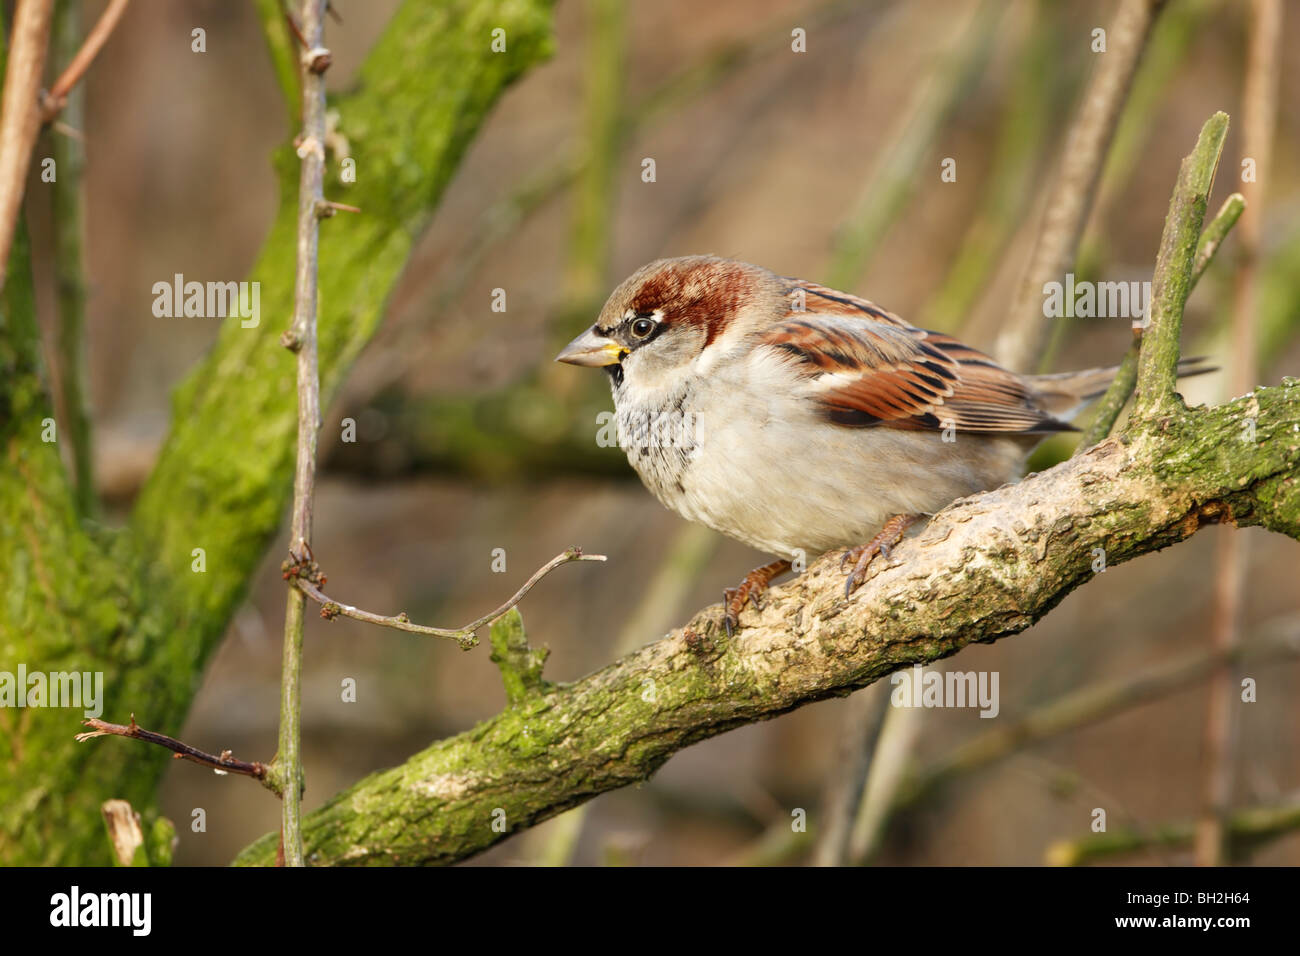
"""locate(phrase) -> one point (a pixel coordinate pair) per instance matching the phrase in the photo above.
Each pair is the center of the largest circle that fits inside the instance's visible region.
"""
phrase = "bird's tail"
(1065, 393)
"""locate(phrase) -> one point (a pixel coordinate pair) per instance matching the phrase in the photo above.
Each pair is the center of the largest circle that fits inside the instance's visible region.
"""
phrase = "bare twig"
(464, 636)
(52, 102)
(223, 762)
(1021, 343)
(893, 180)
(1259, 116)
(21, 117)
(301, 338)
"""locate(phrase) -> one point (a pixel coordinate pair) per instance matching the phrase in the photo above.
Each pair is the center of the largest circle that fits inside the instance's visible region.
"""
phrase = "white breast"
(743, 451)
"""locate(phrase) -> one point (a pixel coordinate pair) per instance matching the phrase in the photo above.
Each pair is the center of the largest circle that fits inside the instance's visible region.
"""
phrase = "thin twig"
(223, 762)
(301, 338)
(20, 120)
(464, 636)
(1021, 344)
(52, 103)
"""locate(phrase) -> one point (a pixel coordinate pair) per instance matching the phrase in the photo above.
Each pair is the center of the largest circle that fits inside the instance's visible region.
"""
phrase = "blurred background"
(822, 164)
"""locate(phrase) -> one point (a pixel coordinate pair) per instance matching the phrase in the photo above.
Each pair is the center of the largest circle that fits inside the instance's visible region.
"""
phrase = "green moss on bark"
(129, 604)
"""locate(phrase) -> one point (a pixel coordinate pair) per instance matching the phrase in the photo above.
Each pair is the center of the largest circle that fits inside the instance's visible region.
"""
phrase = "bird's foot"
(864, 554)
(750, 590)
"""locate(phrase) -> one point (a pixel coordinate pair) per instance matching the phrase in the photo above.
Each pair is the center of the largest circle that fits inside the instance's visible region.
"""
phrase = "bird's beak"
(593, 350)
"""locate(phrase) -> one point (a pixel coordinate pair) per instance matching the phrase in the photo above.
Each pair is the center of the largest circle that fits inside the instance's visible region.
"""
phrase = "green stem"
(1175, 269)
(1117, 395)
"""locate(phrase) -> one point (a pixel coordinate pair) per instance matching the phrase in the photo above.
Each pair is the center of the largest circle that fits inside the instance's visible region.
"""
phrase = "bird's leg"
(864, 554)
(751, 589)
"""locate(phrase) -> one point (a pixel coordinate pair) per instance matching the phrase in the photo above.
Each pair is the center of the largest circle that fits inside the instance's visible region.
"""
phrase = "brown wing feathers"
(870, 368)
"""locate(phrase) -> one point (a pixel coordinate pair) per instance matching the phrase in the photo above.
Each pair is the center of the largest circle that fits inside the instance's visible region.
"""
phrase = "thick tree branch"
(984, 568)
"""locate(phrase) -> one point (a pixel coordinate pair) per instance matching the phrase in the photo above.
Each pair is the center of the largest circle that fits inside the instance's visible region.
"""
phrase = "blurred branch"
(1024, 337)
(284, 54)
(1259, 103)
(864, 714)
(587, 264)
(148, 604)
(895, 176)
(20, 114)
(1028, 106)
(67, 202)
(54, 101)
(1075, 710)
(1085, 706)
(660, 603)
(707, 73)
(1165, 54)
(1244, 831)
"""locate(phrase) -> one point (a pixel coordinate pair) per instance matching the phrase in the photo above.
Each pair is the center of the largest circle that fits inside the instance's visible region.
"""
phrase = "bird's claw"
(882, 544)
(750, 590)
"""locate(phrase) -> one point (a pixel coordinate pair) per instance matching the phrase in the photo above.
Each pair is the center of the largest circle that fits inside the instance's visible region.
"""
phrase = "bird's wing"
(866, 367)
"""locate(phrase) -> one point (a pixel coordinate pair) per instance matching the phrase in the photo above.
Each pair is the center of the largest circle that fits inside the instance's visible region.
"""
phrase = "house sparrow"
(799, 419)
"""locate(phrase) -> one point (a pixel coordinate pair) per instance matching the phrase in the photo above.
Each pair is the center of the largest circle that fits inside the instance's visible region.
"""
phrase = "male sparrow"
(799, 419)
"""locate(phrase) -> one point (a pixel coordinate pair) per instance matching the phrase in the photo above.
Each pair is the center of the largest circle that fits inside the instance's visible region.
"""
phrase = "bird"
(800, 420)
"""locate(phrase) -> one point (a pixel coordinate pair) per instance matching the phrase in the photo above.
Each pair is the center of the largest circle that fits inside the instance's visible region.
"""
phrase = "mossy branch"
(984, 568)
(1112, 403)
(1175, 271)
(520, 665)
(147, 605)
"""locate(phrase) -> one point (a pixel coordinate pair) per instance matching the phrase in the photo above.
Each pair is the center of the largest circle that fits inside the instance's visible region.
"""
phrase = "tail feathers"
(1065, 393)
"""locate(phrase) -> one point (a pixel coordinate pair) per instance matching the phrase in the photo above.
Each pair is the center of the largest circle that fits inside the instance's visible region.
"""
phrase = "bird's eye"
(642, 327)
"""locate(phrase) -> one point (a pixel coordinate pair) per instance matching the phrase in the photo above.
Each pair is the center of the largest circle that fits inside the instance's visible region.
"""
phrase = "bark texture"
(75, 596)
(984, 568)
